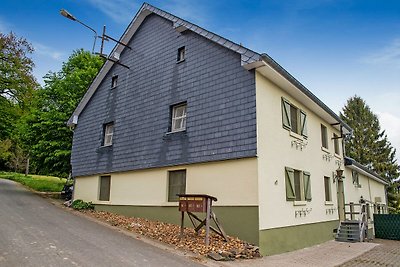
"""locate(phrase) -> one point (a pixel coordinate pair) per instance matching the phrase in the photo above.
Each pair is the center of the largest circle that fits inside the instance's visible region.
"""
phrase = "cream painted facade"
(233, 182)
(368, 188)
(277, 149)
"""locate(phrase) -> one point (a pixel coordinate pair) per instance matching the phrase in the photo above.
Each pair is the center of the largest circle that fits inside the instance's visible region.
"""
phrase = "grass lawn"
(36, 182)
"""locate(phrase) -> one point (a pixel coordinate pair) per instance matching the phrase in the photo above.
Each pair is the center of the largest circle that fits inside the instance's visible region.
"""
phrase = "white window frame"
(327, 189)
(108, 134)
(324, 137)
(181, 54)
(336, 144)
(172, 186)
(178, 122)
(114, 81)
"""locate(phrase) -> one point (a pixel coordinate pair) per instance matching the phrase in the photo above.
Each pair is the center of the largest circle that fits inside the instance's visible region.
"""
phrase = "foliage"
(17, 86)
(79, 204)
(36, 182)
(369, 144)
(45, 131)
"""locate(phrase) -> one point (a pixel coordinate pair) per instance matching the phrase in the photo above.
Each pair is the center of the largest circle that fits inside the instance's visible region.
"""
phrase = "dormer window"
(108, 132)
(114, 81)
(178, 122)
(181, 54)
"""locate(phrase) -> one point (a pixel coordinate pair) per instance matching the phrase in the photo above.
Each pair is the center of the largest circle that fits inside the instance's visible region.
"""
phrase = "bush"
(79, 204)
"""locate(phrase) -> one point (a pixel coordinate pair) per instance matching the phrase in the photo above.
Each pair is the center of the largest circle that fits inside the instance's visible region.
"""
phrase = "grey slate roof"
(247, 58)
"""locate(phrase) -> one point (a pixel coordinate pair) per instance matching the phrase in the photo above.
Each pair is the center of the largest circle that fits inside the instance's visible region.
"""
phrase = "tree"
(16, 78)
(17, 85)
(45, 131)
(369, 144)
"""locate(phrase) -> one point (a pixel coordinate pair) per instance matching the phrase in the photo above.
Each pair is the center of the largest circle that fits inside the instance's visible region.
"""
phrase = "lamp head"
(66, 14)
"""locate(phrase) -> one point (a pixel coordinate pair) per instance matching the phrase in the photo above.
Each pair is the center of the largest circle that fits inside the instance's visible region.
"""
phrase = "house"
(197, 113)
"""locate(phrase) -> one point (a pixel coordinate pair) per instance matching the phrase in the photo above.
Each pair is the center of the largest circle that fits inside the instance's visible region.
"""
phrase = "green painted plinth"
(285, 239)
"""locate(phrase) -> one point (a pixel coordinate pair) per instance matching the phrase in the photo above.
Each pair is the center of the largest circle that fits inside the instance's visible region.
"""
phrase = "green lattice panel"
(387, 226)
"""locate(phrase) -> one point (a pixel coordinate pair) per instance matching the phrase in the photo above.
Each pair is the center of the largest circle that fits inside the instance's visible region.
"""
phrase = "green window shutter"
(290, 193)
(286, 114)
(303, 123)
(307, 186)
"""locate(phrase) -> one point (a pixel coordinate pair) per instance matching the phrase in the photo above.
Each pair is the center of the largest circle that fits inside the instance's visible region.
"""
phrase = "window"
(181, 54)
(108, 134)
(298, 185)
(327, 184)
(114, 81)
(324, 136)
(178, 122)
(293, 118)
(336, 143)
(176, 184)
(355, 177)
(105, 182)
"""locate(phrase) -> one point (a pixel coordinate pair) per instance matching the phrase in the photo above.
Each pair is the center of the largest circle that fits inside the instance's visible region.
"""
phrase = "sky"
(336, 48)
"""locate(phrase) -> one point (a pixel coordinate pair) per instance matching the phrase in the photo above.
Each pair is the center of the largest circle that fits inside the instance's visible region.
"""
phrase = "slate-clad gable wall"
(220, 96)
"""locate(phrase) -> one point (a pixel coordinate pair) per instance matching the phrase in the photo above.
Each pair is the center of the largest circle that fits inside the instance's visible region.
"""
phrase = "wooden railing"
(362, 212)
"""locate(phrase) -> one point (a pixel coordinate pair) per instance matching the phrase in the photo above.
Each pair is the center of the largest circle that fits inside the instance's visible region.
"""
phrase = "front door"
(340, 198)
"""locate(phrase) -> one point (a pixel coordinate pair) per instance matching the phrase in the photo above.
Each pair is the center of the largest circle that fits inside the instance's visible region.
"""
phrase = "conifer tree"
(370, 146)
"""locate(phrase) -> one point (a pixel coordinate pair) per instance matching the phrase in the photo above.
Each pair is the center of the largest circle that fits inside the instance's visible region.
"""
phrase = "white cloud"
(391, 124)
(387, 55)
(44, 50)
(121, 11)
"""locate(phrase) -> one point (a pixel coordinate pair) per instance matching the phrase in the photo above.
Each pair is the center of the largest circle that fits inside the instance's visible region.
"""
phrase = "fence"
(387, 226)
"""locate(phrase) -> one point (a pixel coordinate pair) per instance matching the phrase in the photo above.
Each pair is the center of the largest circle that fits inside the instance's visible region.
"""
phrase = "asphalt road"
(34, 232)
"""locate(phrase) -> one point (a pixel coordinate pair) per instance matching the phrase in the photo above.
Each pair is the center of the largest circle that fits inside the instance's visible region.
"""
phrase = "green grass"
(36, 182)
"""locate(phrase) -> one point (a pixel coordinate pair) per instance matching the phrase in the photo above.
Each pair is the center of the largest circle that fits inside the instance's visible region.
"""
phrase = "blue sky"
(335, 48)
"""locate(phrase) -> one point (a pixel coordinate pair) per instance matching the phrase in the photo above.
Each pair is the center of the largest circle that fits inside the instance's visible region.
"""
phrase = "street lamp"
(68, 15)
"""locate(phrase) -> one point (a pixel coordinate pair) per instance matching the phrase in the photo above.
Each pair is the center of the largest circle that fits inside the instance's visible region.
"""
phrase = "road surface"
(34, 232)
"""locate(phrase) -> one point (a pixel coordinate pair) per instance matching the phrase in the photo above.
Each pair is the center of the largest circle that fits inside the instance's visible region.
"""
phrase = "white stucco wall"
(369, 190)
(275, 152)
(233, 182)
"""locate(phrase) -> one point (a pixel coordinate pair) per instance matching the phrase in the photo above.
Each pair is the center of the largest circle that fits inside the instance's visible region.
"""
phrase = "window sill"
(325, 149)
(179, 131)
(338, 156)
(103, 202)
(329, 203)
(180, 61)
(106, 146)
(114, 87)
(296, 135)
(299, 203)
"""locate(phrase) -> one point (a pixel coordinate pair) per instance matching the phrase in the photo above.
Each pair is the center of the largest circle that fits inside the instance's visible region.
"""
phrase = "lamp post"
(68, 15)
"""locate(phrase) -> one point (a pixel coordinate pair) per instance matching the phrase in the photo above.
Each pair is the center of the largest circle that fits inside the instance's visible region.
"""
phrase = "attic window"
(178, 122)
(181, 54)
(114, 81)
(108, 132)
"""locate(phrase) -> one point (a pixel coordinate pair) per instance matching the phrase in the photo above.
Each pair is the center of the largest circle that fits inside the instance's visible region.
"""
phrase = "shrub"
(79, 204)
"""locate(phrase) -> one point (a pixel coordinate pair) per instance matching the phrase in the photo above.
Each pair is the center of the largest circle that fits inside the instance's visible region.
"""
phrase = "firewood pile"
(169, 233)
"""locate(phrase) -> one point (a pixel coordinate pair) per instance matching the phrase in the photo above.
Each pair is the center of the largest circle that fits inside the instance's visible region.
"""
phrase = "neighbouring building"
(197, 113)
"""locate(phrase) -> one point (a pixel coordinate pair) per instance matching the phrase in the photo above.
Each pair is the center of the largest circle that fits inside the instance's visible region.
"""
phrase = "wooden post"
(182, 218)
(208, 221)
(351, 211)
